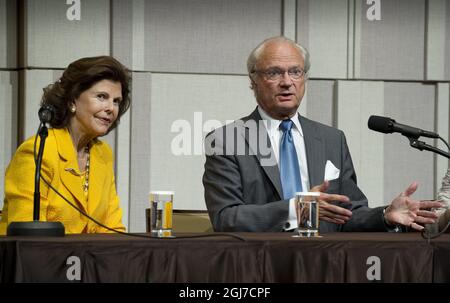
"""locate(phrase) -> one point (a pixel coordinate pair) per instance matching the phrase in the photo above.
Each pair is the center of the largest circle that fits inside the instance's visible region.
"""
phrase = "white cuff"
(291, 222)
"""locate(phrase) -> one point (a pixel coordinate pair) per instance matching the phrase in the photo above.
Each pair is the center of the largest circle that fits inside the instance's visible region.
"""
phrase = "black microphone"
(37, 227)
(46, 113)
(387, 125)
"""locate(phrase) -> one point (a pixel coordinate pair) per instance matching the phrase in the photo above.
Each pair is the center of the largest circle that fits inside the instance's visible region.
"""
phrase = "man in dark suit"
(248, 185)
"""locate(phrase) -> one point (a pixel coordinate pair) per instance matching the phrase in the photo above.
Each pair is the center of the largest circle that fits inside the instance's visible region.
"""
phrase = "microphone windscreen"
(46, 113)
(380, 124)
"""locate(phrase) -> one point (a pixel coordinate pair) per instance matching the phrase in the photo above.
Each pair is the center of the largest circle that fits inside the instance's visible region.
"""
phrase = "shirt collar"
(274, 124)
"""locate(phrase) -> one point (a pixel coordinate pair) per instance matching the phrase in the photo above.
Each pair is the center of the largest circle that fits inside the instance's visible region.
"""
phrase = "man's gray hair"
(255, 54)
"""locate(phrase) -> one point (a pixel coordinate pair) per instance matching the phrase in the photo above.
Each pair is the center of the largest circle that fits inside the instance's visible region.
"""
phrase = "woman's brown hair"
(78, 77)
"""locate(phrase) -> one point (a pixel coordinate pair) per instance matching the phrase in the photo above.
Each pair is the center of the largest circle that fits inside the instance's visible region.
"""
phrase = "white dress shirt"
(275, 134)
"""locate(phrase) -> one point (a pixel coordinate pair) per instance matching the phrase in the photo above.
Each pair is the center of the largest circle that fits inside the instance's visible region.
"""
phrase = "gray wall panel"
(139, 151)
(320, 25)
(443, 129)
(35, 81)
(411, 104)
(386, 164)
(128, 32)
(289, 19)
(200, 103)
(393, 47)
(435, 40)
(320, 95)
(207, 36)
(356, 101)
(303, 22)
(8, 126)
(122, 30)
(447, 41)
(54, 41)
(8, 34)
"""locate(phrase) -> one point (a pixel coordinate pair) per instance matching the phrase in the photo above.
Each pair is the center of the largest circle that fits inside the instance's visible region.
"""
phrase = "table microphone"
(387, 125)
(36, 227)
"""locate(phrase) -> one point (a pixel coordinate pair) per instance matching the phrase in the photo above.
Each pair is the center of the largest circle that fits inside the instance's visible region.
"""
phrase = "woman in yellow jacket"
(89, 99)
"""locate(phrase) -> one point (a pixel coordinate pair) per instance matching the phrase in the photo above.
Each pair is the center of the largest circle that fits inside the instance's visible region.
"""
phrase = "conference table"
(226, 257)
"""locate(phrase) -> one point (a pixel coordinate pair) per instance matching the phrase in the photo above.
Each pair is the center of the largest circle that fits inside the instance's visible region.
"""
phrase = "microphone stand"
(420, 145)
(36, 227)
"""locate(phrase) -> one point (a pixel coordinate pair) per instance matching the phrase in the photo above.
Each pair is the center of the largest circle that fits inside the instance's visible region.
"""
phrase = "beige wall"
(188, 60)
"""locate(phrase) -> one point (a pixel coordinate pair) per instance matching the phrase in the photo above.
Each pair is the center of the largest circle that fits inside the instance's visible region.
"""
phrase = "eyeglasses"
(275, 74)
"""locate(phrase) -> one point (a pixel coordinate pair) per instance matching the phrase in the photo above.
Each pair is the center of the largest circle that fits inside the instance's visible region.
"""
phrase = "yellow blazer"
(59, 158)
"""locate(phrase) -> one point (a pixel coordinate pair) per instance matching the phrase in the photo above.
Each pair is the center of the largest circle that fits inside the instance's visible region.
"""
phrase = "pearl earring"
(73, 109)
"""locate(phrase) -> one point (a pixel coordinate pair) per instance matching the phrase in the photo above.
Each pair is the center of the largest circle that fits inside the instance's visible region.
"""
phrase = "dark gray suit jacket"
(243, 193)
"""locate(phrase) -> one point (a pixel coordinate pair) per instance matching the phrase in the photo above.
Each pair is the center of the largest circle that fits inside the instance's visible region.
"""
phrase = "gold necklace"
(86, 171)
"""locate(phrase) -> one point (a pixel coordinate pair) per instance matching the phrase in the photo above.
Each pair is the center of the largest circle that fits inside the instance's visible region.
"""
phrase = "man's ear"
(252, 84)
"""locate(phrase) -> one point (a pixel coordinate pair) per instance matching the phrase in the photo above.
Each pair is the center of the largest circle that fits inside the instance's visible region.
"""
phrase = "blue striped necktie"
(289, 170)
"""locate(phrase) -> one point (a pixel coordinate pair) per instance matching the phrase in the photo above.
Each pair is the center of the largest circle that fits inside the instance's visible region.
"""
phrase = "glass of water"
(307, 211)
(160, 214)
